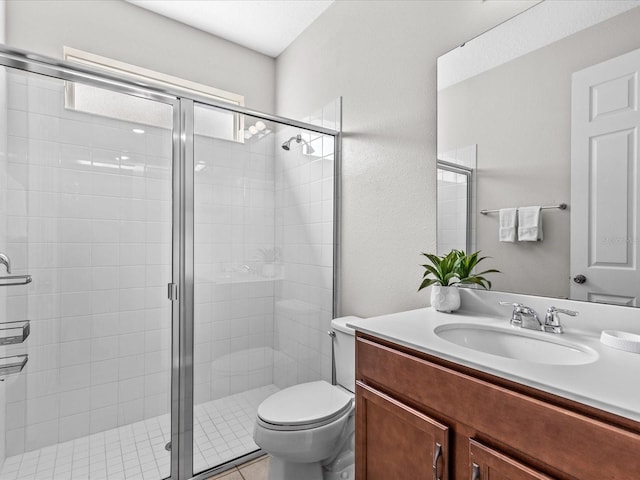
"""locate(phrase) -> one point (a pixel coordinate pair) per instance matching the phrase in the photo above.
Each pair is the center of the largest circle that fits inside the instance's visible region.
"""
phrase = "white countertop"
(610, 383)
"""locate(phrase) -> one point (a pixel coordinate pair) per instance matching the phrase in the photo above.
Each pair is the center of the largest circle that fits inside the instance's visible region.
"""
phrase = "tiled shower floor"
(223, 430)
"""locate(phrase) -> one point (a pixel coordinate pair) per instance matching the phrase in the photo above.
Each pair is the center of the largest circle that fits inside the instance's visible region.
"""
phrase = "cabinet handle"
(436, 456)
(475, 472)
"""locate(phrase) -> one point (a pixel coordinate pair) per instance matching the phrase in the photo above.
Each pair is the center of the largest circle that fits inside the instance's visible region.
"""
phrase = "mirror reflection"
(542, 111)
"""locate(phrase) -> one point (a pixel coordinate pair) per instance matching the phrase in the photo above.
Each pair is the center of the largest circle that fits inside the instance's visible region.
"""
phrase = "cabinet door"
(488, 464)
(396, 442)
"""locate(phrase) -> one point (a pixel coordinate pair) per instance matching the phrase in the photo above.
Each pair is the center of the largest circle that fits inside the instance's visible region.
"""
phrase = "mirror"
(542, 111)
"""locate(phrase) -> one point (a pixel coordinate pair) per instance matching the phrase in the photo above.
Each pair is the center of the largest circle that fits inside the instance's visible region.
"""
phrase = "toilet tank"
(345, 352)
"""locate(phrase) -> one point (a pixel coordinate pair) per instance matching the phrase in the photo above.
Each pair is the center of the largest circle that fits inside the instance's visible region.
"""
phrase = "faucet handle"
(552, 321)
(512, 304)
(519, 308)
(554, 310)
(516, 315)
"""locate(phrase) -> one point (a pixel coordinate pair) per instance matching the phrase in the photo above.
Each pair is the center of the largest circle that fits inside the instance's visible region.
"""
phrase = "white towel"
(529, 224)
(508, 219)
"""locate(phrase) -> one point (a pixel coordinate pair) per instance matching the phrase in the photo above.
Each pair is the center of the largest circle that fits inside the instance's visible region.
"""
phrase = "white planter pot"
(445, 299)
(269, 270)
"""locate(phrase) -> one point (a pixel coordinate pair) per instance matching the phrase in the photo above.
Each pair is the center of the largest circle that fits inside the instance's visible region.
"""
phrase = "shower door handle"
(172, 292)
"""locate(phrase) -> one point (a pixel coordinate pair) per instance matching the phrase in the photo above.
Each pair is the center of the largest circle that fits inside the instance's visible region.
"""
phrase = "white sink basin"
(517, 344)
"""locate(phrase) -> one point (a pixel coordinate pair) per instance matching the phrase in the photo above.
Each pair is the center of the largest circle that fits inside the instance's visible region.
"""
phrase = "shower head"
(287, 145)
(298, 138)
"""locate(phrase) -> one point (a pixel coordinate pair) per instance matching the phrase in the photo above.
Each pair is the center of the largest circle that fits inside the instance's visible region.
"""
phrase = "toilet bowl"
(308, 428)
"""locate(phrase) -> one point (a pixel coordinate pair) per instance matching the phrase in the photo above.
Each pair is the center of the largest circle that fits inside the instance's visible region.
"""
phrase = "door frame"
(182, 296)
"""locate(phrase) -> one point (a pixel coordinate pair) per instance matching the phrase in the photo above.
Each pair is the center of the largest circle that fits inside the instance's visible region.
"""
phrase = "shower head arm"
(298, 138)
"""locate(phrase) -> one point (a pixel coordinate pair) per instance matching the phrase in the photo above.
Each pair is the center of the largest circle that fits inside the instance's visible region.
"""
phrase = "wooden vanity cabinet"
(400, 442)
(488, 464)
(487, 428)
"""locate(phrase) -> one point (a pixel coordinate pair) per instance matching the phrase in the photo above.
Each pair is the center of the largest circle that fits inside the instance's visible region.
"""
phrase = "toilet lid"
(305, 404)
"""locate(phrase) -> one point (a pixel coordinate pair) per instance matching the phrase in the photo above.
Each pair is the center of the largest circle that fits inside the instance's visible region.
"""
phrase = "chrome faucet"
(4, 260)
(552, 321)
(526, 317)
(523, 316)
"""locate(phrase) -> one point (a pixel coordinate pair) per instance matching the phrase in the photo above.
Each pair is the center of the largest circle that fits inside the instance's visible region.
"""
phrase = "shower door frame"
(181, 289)
(468, 173)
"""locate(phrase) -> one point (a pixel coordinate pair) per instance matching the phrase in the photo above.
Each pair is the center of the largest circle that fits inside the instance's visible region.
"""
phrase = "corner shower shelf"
(14, 332)
(11, 365)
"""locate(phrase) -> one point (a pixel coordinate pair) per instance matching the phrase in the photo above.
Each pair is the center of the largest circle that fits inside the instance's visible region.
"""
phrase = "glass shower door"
(88, 214)
(233, 312)
(263, 268)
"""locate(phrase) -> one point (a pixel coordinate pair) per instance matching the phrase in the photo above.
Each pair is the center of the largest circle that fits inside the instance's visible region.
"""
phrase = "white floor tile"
(223, 430)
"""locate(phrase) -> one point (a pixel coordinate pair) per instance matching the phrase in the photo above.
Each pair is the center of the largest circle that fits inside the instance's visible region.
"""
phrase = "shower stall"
(182, 265)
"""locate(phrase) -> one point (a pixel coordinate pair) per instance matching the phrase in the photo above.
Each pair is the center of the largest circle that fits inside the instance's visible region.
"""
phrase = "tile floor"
(223, 431)
(255, 470)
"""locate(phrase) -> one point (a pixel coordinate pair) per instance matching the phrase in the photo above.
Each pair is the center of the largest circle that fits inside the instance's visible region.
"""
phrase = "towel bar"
(562, 206)
(15, 280)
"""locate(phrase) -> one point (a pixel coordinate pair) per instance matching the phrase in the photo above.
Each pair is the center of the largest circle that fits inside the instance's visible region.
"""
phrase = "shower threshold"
(223, 431)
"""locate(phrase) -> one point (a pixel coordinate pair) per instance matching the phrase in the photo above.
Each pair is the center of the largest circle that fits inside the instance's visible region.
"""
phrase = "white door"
(605, 217)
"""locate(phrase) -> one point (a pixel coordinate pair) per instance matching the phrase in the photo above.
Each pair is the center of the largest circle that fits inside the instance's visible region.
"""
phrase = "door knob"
(580, 279)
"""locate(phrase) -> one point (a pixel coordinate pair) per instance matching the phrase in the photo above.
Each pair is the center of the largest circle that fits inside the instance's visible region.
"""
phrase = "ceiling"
(267, 26)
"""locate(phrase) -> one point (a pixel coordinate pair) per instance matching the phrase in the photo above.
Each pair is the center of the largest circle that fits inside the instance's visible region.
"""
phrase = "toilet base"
(343, 466)
(281, 470)
(348, 473)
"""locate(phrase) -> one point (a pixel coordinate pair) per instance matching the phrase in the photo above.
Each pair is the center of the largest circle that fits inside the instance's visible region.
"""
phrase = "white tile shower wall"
(89, 211)
(234, 295)
(304, 232)
(452, 211)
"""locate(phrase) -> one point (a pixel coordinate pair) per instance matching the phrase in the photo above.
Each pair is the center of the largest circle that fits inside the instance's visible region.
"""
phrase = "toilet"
(309, 428)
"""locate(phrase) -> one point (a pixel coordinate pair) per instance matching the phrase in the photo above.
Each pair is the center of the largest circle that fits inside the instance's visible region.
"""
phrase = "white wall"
(381, 57)
(120, 30)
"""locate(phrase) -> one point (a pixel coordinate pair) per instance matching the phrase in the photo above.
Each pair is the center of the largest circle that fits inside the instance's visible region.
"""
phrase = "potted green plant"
(270, 258)
(446, 272)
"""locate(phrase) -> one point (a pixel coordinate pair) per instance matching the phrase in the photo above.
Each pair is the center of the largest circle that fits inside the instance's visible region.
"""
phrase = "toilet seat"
(304, 406)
